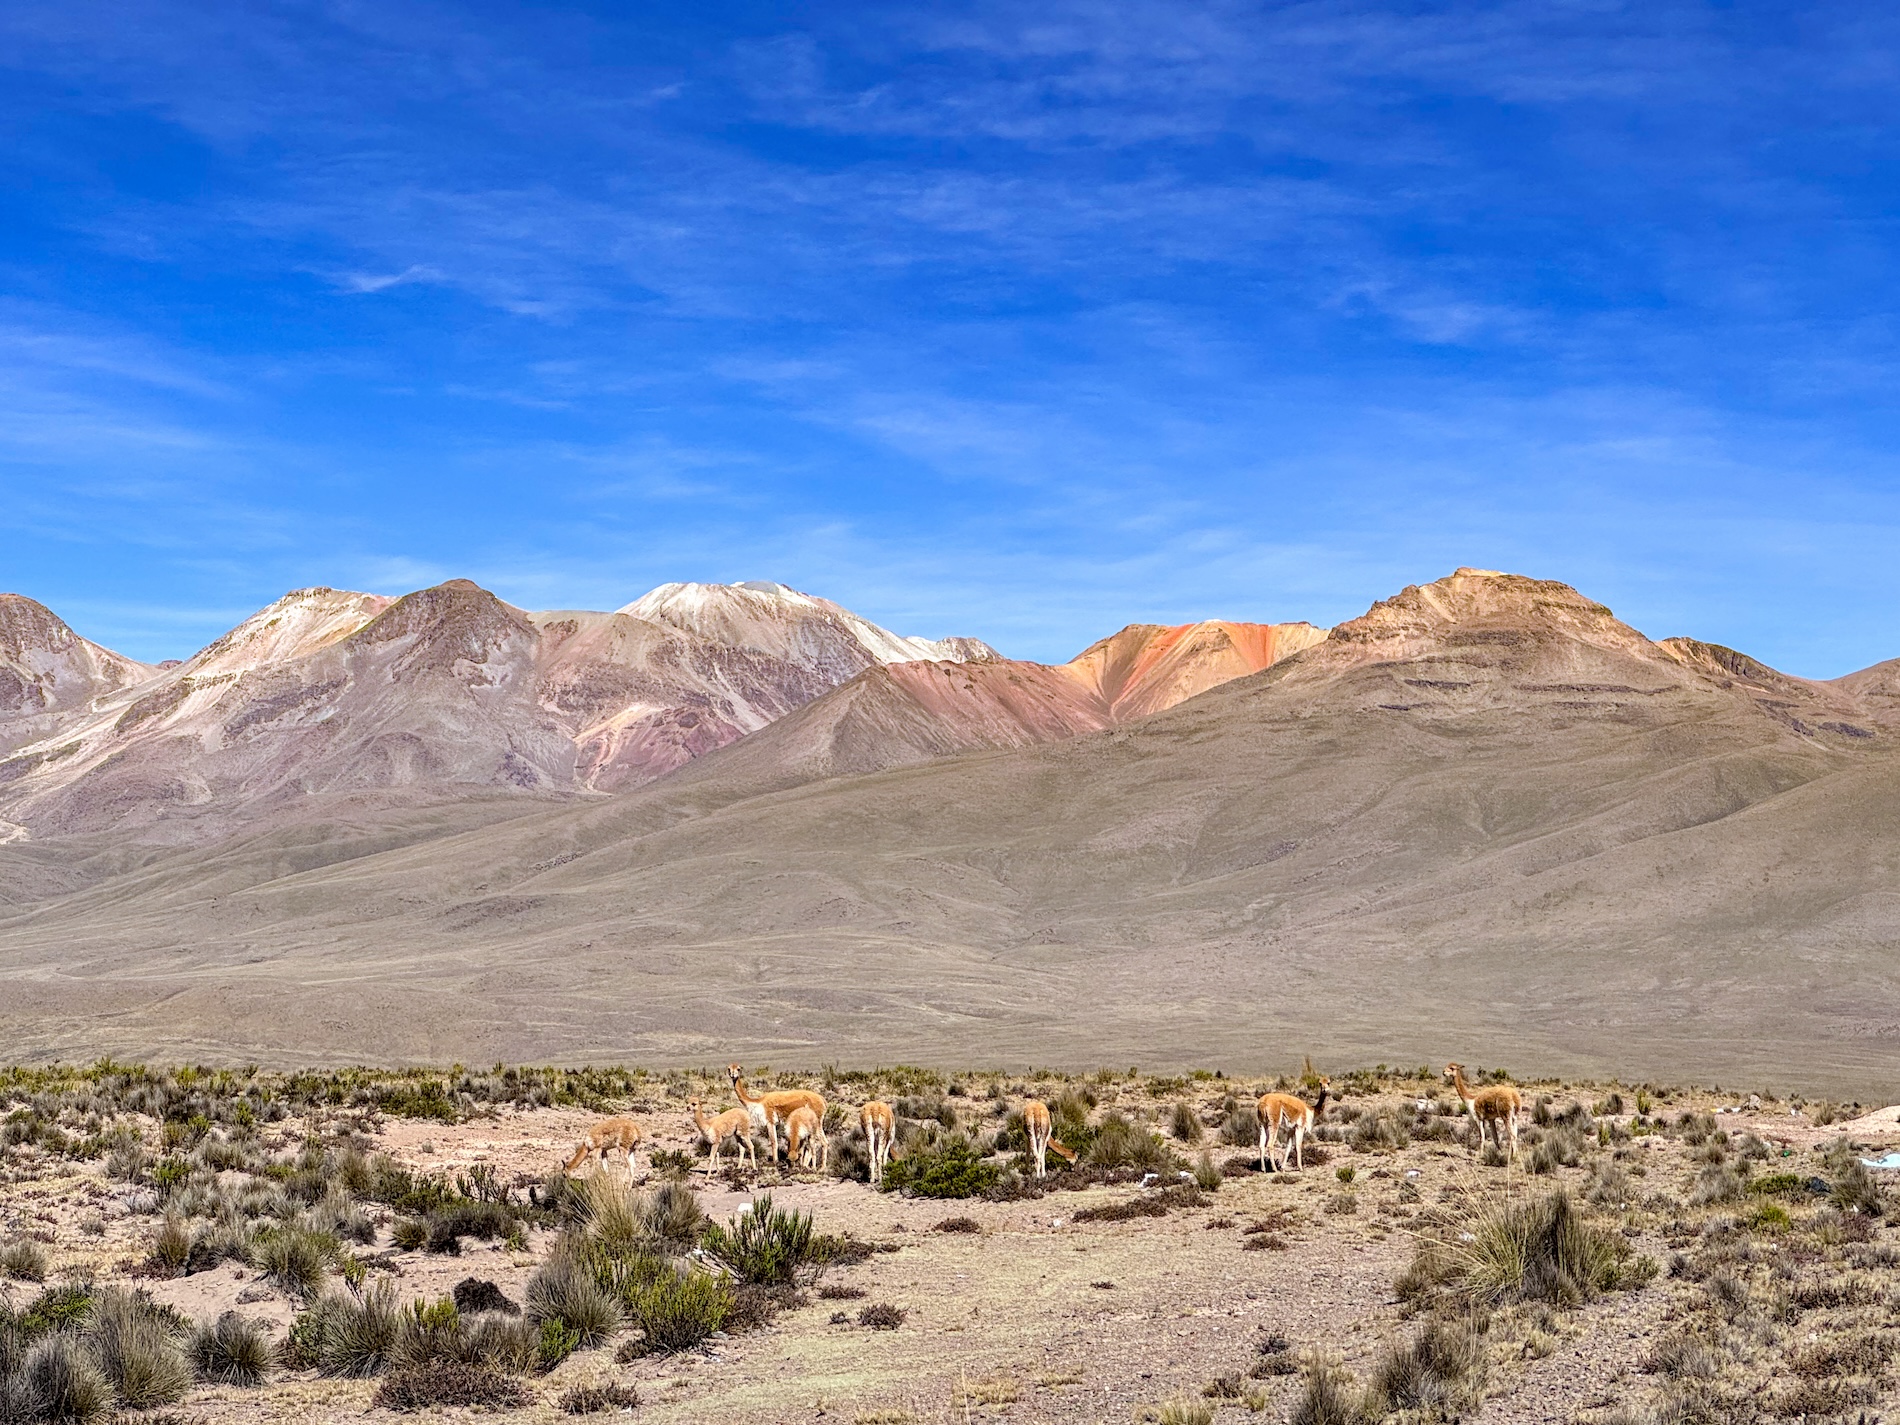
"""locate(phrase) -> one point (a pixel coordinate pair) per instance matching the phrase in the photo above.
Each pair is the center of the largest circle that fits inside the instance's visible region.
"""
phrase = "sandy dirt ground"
(1032, 1318)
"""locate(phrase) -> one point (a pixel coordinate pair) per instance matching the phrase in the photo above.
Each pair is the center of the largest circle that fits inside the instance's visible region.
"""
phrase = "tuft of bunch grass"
(233, 1350)
(503, 1343)
(23, 1259)
(1440, 1368)
(623, 1223)
(295, 1257)
(1207, 1173)
(137, 1345)
(1180, 1412)
(1329, 1395)
(60, 1381)
(566, 1289)
(1184, 1123)
(171, 1247)
(354, 1336)
(882, 1316)
(1119, 1143)
(674, 1215)
(1536, 1249)
(1853, 1188)
(448, 1225)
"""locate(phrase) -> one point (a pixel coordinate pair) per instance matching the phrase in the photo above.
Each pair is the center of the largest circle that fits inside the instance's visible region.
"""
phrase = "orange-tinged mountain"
(1147, 668)
(903, 714)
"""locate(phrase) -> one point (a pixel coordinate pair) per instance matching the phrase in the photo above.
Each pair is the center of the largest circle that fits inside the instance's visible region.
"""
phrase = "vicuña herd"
(801, 1114)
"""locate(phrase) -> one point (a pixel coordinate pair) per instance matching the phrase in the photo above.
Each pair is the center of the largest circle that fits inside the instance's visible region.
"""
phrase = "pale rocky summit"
(49, 674)
(446, 692)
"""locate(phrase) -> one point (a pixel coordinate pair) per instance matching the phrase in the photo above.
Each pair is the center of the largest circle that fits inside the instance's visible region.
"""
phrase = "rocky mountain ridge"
(1485, 817)
(328, 691)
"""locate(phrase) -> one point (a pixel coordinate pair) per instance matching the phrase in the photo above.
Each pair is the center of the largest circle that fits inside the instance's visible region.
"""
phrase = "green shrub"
(557, 1342)
(410, 1233)
(137, 1345)
(946, 1169)
(233, 1350)
(1779, 1185)
(765, 1245)
(1768, 1217)
(55, 1309)
(678, 1309)
(430, 1331)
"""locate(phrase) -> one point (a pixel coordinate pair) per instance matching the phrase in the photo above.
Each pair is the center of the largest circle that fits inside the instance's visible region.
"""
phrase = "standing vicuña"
(1495, 1107)
(769, 1110)
(734, 1124)
(1284, 1110)
(1041, 1143)
(880, 1132)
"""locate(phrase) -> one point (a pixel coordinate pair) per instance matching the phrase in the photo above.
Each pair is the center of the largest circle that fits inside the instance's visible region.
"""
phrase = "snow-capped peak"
(777, 619)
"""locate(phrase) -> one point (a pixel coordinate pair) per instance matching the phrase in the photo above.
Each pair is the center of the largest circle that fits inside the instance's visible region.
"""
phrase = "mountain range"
(1484, 820)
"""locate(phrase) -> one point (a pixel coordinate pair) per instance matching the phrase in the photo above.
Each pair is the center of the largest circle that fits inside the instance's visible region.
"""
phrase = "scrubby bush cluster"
(76, 1353)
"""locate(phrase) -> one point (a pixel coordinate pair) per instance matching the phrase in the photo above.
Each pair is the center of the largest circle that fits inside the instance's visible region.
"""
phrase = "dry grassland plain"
(200, 1245)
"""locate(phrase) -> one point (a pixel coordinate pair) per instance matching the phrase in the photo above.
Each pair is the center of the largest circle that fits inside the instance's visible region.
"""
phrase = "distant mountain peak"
(1145, 668)
(1480, 596)
(782, 621)
(48, 671)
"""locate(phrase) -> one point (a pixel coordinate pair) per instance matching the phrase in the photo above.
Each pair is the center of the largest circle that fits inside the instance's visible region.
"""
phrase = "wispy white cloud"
(382, 282)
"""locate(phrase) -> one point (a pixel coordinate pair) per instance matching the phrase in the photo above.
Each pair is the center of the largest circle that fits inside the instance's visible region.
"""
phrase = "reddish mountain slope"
(1146, 668)
(907, 713)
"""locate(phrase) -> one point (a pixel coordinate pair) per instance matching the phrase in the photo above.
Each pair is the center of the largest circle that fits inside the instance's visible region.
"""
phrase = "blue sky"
(1017, 321)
